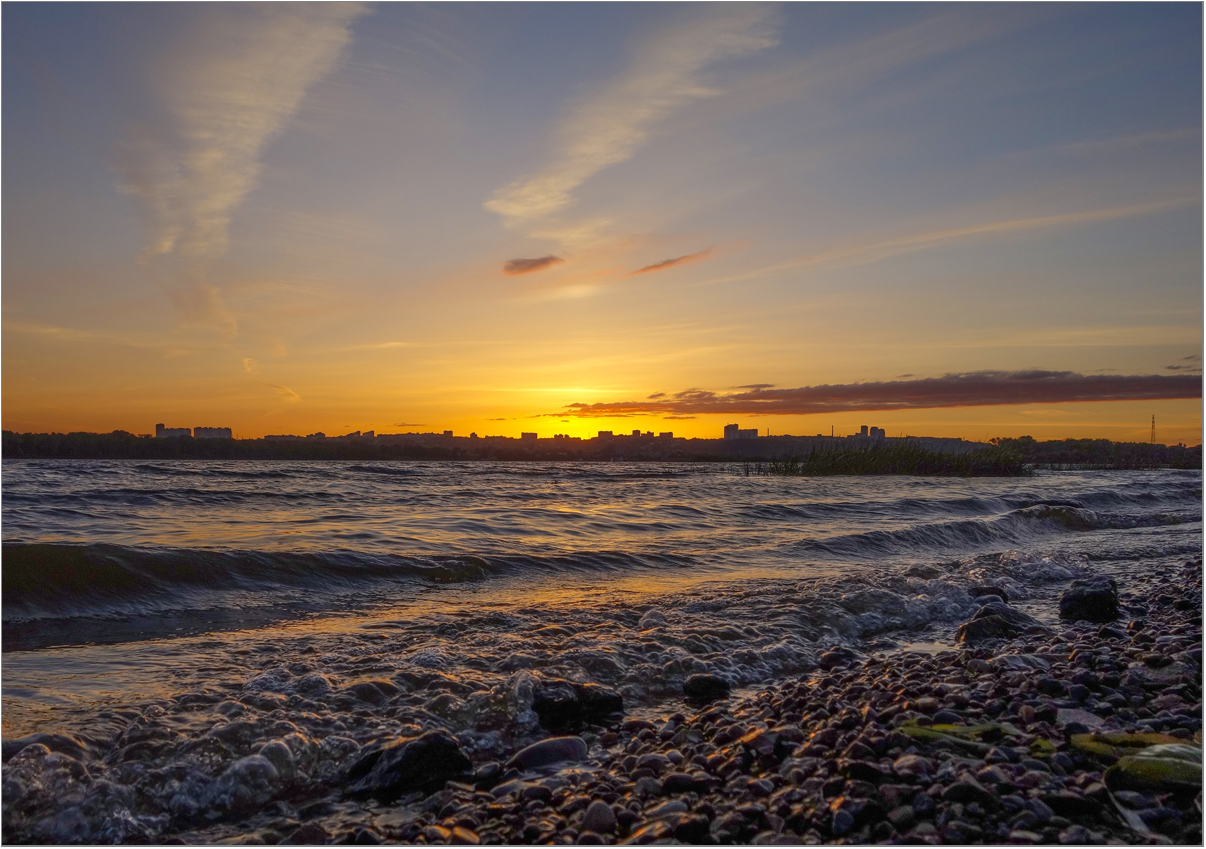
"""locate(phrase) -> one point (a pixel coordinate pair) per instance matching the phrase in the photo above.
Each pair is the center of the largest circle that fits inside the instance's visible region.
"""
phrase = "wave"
(41, 579)
(213, 470)
(1013, 528)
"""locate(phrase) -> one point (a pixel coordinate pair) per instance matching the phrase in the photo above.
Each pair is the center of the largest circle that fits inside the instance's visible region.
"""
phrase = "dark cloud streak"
(969, 389)
(515, 267)
(670, 263)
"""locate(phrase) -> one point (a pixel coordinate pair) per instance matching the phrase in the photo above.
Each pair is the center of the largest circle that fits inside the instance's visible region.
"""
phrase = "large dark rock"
(705, 688)
(419, 763)
(996, 621)
(1095, 600)
(838, 656)
(977, 592)
(565, 704)
(551, 751)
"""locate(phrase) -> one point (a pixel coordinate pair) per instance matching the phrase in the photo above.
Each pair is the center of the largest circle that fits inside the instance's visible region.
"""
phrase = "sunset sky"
(943, 220)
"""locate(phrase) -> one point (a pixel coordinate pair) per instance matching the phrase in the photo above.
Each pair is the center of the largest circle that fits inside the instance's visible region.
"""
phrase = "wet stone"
(599, 818)
(562, 704)
(551, 751)
(1095, 599)
(705, 688)
(419, 763)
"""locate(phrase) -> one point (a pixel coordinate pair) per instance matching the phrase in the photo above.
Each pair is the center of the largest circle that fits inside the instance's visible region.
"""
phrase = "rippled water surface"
(127, 581)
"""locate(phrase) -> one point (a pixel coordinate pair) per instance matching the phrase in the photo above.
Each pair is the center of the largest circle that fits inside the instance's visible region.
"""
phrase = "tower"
(1153, 439)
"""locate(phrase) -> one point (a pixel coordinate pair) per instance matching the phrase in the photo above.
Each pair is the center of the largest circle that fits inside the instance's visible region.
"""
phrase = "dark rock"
(865, 771)
(310, 834)
(693, 830)
(419, 763)
(968, 790)
(977, 592)
(599, 818)
(1095, 600)
(550, 751)
(996, 621)
(705, 688)
(837, 656)
(843, 821)
(948, 717)
(487, 776)
(923, 572)
(902, 817)
(562, 704)
(1070, 805)
(681, 782)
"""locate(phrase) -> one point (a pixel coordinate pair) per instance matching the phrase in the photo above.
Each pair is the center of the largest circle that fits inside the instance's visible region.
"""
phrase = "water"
(138, 592)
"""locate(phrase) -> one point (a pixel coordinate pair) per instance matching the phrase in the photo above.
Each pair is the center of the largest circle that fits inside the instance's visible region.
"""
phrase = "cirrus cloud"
(225, 95)
(608, 127)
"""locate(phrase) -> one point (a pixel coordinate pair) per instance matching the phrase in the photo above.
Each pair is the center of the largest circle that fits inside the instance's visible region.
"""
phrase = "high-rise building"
(162, 432)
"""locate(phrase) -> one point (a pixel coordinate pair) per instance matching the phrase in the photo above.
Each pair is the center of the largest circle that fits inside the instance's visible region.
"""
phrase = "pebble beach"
(1006, 739)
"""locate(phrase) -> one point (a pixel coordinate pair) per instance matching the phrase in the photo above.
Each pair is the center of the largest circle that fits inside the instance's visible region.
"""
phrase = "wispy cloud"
(870, 252)
(608, 127)
(969, 389)
(1131, 141)
(379, 346)
(249, 365)
(515, 267)
(226, 96)
(284, 391)
(670, 263)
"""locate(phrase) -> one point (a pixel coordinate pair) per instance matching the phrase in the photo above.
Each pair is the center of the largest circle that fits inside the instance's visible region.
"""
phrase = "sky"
(978, 220)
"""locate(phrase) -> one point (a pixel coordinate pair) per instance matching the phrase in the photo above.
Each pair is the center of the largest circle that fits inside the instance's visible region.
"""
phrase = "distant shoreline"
(120, 445)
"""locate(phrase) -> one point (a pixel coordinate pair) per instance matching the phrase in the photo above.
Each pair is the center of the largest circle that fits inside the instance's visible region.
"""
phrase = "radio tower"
(1153, 441)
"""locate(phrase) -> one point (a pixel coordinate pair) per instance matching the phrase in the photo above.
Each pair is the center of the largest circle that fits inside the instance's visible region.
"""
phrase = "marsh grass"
(897, 459)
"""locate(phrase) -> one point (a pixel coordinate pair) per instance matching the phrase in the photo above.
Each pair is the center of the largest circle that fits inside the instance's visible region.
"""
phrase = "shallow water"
(177, 564)
(181, 588)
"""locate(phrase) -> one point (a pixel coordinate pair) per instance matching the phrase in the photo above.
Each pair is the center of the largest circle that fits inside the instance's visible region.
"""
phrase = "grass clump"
(898, 459)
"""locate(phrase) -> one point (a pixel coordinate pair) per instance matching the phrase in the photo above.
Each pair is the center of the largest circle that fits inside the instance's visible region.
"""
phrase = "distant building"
(869, 433)
(528, 437)
(211, 433)
(732, 431)
(369, 434)
(448, 433)
(669, 434)
(316, 435)
(473, 435)
(636, 432)
(606, 434)
(162, 432)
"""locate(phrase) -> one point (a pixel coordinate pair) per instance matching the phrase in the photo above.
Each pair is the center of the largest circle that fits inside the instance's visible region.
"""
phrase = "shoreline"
(828, 756)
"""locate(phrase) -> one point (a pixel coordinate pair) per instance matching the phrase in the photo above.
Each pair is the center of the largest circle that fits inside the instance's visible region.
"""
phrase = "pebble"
(599, 818)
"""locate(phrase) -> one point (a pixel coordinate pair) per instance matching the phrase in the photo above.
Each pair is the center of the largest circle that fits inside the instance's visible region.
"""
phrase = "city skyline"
(960, 220)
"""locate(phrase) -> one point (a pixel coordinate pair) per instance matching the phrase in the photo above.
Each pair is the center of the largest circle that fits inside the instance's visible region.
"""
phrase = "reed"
(897, 459)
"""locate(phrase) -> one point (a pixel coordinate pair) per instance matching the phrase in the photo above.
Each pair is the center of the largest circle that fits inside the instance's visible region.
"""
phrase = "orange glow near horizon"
(494, 225)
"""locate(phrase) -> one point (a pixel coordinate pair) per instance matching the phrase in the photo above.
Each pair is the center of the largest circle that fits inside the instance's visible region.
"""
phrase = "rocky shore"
(1022, 733)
